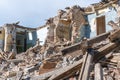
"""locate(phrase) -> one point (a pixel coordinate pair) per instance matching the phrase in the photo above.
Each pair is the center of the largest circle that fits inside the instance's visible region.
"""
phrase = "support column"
(10, 38)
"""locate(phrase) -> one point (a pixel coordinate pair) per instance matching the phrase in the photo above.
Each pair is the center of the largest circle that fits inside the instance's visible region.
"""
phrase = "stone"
(10, 74)
(48, 65)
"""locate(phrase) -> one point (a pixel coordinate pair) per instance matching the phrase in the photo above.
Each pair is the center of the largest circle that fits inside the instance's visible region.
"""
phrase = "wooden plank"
(98, 72)
(77, 46)
(101, 7)
(65, 72)
(106, 5)
(110, 54)
(83, 65)
(105, 50)
(15, 60)
(22, 27)
(86, 67)
(98, 38)
(107, 62)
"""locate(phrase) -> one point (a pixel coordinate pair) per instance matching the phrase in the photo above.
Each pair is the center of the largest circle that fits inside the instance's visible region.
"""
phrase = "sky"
(33, 13)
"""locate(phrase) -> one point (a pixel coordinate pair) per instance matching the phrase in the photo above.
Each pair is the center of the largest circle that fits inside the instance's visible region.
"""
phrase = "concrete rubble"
(68, 52)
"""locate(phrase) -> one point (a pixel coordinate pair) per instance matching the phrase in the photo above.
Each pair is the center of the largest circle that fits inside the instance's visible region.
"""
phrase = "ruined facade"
(17, 37)
(72, 24)
(65, 54)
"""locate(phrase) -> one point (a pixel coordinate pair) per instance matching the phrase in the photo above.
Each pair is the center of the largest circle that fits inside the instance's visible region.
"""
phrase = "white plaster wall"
(110, 14)
(42, 34)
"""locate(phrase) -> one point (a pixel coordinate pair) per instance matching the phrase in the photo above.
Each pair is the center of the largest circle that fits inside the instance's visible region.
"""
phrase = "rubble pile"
(63, 57)
(95, 59)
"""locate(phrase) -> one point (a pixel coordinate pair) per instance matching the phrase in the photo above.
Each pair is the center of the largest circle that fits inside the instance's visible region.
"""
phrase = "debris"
(98, 72)
(67, 53)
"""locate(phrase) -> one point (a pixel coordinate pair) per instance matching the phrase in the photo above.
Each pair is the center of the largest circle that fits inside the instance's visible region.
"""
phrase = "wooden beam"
(98, 72)
(15, 60)
(65, 72)
(83, 66)
(101, 7)
(86, 66)
(105, 50)
(114, 35)
(110, 54)
(98, 38)
(106, 5)
(77, 46)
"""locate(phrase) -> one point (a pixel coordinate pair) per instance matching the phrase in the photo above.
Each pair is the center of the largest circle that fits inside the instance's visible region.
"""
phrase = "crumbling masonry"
(82, 43)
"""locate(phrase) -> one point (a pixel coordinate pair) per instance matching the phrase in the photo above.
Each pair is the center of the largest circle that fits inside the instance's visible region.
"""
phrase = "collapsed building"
(72, 24)
(82, 43)
(17, 37)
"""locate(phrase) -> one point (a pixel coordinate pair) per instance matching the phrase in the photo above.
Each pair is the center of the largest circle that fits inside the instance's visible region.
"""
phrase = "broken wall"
(10, 37)
(63, 30)
(13, 36)
(109, 13)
